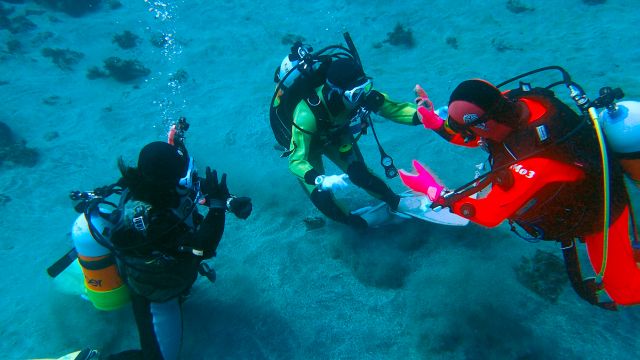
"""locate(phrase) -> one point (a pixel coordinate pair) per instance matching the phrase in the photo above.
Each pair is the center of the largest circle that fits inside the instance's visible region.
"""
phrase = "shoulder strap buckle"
(139, 216)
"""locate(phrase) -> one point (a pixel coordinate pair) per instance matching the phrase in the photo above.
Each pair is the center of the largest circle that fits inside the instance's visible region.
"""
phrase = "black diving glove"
(215, 193)
(374, 101)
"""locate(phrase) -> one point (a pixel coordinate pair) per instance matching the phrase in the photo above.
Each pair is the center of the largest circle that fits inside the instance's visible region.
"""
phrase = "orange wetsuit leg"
(622, 275)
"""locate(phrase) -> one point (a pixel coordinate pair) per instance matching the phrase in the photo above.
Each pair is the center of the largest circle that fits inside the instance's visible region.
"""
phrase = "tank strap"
(635, 242)
(319, 111)
(99, 264)
(587, 288)
(314, 104)
(628, 156)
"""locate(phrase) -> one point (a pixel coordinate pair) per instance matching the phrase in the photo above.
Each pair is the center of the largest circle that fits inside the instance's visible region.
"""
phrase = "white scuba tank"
(104, 287)
(621, 127)
(285, 67)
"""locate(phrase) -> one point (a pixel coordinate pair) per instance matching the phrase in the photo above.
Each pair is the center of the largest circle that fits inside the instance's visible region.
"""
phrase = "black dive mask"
(465, 129)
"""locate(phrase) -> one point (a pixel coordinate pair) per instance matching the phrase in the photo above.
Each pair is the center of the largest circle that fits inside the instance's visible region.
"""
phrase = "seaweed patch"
(543, 274)
(401, 36)
(126, 40)
(119, 69)
(517, 7)
(63, 58)
(290, 38)
(75, 8)
(15, 150)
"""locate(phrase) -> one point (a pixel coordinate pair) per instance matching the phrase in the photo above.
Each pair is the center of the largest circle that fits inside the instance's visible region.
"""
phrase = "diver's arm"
(528, 177)
(210, 232)
(431, 119)
(405, 113)
(402, 113)
(301, 135)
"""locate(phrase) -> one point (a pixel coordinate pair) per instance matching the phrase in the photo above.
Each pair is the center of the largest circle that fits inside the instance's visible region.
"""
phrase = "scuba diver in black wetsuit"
(159, 239)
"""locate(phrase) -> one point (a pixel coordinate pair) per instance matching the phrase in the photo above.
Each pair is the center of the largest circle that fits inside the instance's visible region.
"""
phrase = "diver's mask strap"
(191, 177)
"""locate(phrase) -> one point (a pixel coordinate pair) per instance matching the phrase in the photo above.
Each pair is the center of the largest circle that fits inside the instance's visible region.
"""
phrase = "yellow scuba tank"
(103, 284)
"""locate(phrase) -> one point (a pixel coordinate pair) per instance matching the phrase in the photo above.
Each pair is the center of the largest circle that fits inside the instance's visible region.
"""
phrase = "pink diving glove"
(425, 112)
(423, 182)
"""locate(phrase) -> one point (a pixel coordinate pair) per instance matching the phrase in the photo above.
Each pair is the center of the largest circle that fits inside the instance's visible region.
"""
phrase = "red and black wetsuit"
(547, 177)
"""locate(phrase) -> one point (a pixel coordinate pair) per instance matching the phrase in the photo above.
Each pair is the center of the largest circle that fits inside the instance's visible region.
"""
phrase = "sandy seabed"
(411, 291)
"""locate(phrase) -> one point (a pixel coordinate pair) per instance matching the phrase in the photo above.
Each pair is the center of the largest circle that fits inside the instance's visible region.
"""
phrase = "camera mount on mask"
(176, 135)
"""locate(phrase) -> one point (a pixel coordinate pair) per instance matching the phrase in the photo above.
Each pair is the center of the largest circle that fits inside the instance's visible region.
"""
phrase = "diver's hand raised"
(215, 193)
(422, 99)
(425, 112)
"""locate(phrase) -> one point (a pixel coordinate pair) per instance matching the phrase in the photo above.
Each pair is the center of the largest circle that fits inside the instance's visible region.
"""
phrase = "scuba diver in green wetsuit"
(329, 122)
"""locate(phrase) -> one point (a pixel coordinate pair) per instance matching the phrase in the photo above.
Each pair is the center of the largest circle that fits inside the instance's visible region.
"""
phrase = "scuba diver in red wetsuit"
(547, 174)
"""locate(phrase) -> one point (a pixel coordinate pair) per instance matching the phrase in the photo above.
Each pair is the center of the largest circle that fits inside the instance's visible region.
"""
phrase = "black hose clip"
(82, 199)
(607, 98)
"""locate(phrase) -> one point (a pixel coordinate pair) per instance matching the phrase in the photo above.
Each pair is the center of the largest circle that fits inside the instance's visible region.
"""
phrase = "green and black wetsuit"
(332, 137)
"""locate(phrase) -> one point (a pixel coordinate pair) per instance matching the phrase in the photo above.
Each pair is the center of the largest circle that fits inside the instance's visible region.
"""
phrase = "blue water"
(414, 291)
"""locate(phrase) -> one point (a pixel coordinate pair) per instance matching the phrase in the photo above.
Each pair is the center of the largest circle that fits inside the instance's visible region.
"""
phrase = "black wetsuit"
(159, 268)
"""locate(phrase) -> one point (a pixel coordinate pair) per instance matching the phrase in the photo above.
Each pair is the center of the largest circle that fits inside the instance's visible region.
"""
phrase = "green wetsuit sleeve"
(402, 113)
(302, 133)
